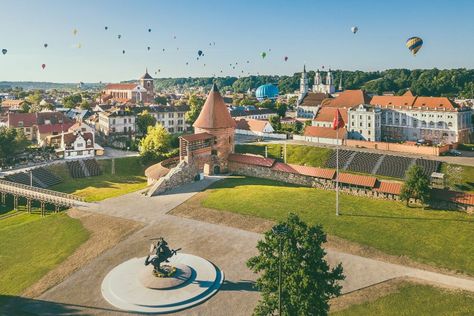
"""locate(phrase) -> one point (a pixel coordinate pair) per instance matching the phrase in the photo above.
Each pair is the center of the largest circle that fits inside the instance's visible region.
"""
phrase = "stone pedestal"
(131, 286)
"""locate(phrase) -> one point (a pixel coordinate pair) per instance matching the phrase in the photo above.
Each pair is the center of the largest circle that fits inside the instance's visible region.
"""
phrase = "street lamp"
(280, 231)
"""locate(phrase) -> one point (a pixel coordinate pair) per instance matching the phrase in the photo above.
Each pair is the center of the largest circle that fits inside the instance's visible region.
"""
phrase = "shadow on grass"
(239, 286)
(110, 182)
(408, 218)
(17, 305)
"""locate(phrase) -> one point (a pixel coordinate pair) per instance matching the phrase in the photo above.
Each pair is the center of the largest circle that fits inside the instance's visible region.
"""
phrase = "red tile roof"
(252, 160)
(314, 99)
(410, 101)
(453, 196)
(326, 114)
(348, 99)
(355, 179)
(121, 86)
(214, 113)
(305, 170)
(388, 187)
(54, 128)
(323, 132)
(28, 119)
(251, 125)
(196, 137)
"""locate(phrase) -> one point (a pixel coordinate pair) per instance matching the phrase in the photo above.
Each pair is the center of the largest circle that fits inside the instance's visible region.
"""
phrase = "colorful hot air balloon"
(43, 66)
(414, 44)
(45, 45)
(4, 51)
(286, 58)
(354, 29)
(263, 54)
(79, 45)
(199, 52)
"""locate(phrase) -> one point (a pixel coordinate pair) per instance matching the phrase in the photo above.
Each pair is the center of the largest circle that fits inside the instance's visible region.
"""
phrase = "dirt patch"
(105, 232)
(192, 209)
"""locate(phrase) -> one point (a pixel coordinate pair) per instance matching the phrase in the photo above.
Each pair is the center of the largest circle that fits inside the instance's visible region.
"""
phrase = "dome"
(267, 91)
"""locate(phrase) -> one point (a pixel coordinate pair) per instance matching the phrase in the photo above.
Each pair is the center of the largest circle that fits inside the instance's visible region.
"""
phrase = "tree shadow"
(239, 286)
(17, 305)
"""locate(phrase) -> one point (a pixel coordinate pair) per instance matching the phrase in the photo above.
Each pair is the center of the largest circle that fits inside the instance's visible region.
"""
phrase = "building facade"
(170, 117)
(364, 123)
(141, 92)
(117, 121)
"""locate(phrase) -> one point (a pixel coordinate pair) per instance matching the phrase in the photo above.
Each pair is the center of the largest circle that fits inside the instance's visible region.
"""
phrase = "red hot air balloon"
(43, 66)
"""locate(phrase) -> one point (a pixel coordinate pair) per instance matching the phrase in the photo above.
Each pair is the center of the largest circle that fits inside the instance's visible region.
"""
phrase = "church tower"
(330, 88)
(317, 82)
(303, 83)
(146, 81)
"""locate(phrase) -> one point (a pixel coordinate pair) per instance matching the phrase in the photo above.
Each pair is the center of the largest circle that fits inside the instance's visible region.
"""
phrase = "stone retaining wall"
(183, 173)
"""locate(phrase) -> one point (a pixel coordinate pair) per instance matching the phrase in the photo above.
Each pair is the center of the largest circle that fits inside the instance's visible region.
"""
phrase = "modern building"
(171, 117)
(117, 121)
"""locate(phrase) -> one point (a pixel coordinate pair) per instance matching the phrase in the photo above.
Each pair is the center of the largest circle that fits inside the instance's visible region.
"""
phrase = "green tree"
(275, 122)
(281, 108)
(298, 127)
(25, 107)
(416, 185)
(12, 142)
(195, 107)
(159, 99)
(307, 281)
(156, 144)
(85, 105)
(144, 120)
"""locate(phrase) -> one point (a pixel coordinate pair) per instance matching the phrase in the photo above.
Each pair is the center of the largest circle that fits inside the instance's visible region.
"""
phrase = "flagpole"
(337, 171)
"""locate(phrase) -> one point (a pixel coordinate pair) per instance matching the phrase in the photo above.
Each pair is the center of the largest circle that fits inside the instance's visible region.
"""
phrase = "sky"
(313, 32)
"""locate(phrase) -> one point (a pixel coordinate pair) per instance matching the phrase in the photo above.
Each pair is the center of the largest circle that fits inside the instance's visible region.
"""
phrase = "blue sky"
(313, 32)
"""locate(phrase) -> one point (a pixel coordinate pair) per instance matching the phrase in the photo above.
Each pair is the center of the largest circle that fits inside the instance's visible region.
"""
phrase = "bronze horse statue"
(162, 253)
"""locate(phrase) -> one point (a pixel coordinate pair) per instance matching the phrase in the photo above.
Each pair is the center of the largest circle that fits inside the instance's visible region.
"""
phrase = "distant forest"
(429, 82)
(423, 82)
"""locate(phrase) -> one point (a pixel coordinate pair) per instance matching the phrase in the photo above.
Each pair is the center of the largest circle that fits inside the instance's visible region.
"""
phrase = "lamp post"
(279, 231)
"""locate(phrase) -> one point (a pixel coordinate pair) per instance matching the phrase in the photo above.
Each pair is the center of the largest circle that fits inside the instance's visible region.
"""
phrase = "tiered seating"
(93, 167)
(344, 156)
(363, 162)
(46, 177)
(394, 166)
(20, 177)
(75, 169)
(429, 166)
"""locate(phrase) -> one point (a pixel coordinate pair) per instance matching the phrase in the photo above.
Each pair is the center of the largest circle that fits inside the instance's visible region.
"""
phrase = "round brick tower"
(215, 120)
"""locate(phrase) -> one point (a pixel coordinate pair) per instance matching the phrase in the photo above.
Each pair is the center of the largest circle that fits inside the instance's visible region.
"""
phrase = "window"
(352, 124)
(368, 132)
(124, 121)
(360, 124)
(450, 124)
(214, 152)
(124, 129)
(170, 123)
(369, 124)
(180, 129)
(431, 124)
(171, 130)
(113, 121)
(423, 124)
(170, 115)
(180, 122)
(130, 120)
(440, 124)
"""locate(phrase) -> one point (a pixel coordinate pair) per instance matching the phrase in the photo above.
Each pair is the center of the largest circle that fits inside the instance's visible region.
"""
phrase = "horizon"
(294, 30)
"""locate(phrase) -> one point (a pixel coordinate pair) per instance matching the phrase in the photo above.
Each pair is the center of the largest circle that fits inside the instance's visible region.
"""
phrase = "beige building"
(170, 117)
(116, 121)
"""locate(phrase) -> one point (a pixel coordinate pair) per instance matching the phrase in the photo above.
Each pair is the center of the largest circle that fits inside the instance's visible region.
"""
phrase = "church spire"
(340, 83)
(303, 83)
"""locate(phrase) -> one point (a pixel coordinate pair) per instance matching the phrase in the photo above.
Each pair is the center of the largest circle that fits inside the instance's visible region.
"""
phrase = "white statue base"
(131, 286)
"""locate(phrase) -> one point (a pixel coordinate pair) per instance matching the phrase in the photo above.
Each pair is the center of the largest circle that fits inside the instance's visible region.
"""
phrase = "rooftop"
(214, 113)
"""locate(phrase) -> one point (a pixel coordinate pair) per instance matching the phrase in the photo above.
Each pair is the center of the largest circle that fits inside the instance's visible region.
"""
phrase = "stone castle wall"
(183, 173)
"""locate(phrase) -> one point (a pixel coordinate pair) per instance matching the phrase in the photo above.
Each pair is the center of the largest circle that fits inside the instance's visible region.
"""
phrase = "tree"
(161, 100)
(12, 142)
(144, 120)
(195, 107)
(85, 105)
(307, 282)
(275, 121)
(453, 176)
(156, 144)
(416, 185)
(281, 108)
(298, 128)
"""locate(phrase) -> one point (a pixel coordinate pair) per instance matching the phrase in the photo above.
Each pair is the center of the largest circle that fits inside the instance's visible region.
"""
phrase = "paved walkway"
(227, 247)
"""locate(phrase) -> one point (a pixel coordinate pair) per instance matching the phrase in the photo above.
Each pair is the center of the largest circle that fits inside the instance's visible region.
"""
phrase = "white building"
(117, 121)
(75, 144)
(364, 123)
(170, 117)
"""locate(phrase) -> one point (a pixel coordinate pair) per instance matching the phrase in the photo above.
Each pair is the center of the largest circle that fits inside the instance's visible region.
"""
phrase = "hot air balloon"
(248, 61)
(263, 54)
(199, 52)
(119, 36)
(123, 51)
(148, 48)
(187, 63)
(43, 66)
(354, 29)
(414, 44)
(4, 51)
(286, 58)
(79, 45)
(159, 70)
(74, 32)
(174, 37)
(149, 30)
(106, 28)
(45, 45)
(204, 65)
(163, 49)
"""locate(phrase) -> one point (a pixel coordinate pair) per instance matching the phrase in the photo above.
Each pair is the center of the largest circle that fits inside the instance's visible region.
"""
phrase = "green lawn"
(413, 299)
(467, 177)
(129, 176)
(439, 238)
(296, 154)
(31, 246)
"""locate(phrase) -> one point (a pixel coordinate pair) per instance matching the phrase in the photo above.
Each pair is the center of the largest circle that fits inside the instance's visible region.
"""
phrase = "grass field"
(296, 154)
(439, 238)
(467, 177)
(413, 299)
(31, 246)
(129, 176)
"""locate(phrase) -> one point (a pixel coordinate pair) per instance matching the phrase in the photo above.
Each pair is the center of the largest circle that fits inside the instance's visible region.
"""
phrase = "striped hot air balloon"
(414, 44)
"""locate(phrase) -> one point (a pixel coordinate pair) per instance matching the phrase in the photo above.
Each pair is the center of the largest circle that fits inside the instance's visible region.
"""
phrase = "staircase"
(377, 164)
(348, 162)
(84, 168)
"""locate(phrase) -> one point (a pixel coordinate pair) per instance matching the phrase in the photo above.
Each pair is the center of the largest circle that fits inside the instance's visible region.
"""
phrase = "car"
(454, 152)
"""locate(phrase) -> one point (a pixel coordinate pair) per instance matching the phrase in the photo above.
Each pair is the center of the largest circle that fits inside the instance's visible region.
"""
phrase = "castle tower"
(215, 120)
(147, 82)
(303, 83)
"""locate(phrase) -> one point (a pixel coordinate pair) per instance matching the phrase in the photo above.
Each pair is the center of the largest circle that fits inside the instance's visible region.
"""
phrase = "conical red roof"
(214, 113)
